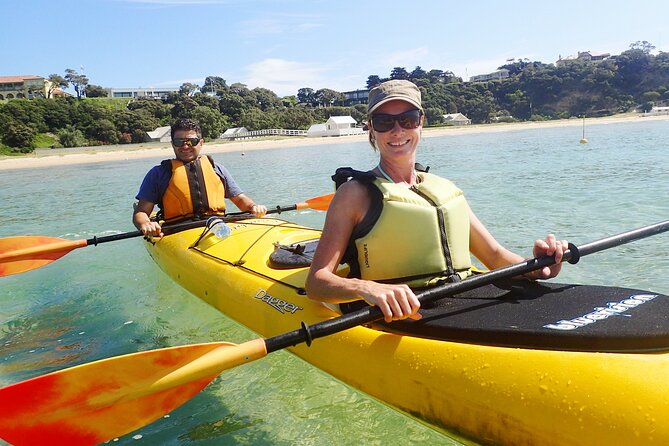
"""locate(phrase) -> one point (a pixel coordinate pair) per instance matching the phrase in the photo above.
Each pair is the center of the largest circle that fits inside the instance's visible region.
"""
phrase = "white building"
(494, 76)
(457, 119)
(335, 126)
(317, 130)
(657, 111)
(233, 132)
(156, 93)
(161, 134)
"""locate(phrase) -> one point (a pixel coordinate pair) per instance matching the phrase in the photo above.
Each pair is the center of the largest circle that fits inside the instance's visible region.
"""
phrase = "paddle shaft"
(370, 314)
(186, 225)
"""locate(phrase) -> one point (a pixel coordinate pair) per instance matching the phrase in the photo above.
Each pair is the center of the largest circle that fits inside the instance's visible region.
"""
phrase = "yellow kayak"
(517, 363)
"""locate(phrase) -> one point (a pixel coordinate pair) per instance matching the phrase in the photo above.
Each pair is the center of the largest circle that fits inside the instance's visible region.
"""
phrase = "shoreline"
(100, 154)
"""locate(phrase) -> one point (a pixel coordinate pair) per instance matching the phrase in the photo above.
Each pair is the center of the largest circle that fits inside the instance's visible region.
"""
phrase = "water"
(111, 299)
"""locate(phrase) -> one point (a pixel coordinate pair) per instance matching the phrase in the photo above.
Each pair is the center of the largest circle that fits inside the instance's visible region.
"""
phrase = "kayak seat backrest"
(296, 255)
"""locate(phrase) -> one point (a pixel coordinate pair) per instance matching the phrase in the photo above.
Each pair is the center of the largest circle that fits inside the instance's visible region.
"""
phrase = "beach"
(84, 155)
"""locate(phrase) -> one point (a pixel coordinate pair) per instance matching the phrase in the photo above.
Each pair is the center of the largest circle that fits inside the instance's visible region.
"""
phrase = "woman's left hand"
(548, 247)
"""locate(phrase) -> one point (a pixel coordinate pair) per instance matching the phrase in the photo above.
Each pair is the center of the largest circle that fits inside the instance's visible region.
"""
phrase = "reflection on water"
(97, 302)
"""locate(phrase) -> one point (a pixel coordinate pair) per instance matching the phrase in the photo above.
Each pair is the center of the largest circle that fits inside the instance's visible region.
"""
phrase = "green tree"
(373, 81)
(399, 73)
(214, 85)
(211, 121)
(306, 96)
(255, 119)
(56, 81)
(295, 118)
(19, 136)
(232, 105)
(96, 91)
(78, 81)
(104, 131)
(327, 97)
(188, 89)
(71, 137)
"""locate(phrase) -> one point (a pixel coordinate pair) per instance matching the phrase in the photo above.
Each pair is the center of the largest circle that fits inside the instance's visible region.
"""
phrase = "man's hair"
(186, 124)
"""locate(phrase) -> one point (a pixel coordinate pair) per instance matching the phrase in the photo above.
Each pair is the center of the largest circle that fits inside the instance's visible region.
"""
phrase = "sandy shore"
(85, 155)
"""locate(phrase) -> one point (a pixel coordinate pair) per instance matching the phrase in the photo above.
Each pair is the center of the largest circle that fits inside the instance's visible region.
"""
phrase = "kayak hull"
(495, 395)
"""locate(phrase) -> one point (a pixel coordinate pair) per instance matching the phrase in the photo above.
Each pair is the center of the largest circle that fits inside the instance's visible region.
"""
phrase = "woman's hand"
(395, 301)
(548, 247)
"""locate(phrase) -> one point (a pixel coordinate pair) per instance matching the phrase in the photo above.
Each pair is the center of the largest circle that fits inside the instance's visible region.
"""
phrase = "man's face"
(186, 151)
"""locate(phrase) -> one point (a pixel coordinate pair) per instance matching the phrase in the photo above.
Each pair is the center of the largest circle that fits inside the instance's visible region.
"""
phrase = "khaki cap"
(397, 89)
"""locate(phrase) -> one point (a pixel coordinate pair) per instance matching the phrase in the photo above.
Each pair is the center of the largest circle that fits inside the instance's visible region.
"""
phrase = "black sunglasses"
(190, 142)
(407, 120)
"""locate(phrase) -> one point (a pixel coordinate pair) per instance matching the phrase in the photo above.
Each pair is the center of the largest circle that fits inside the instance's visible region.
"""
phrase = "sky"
(285, 45)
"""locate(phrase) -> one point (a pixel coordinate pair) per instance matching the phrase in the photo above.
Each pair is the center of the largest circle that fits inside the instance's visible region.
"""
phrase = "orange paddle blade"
(99, 401)
(318, 203)
(23, 253)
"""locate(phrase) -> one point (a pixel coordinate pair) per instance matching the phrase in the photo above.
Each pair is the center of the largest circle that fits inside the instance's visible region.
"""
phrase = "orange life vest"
(194, 190)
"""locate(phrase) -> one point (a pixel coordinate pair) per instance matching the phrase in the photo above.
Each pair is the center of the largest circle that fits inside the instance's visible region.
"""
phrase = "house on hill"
(456, 119)
(21, 87)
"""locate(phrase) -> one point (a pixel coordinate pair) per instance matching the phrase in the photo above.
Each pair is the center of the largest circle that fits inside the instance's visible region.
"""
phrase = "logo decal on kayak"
(600, 313)
(280, 305)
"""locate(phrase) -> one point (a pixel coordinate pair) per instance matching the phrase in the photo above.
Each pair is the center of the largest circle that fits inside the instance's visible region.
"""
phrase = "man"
(189, 186)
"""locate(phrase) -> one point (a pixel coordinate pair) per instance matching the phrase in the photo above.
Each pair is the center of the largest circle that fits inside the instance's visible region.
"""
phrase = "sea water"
(108, 300)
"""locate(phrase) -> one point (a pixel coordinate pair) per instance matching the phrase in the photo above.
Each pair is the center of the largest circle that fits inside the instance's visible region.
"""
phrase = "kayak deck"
(493, 394)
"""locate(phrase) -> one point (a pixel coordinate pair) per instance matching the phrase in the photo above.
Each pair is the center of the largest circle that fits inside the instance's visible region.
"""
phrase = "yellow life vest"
(421, 235)
(194, 190)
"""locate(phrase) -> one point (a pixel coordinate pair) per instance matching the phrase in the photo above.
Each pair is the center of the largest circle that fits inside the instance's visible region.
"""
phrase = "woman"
(400, 228)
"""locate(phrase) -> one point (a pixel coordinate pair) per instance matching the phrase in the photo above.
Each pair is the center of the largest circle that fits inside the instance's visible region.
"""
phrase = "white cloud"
(282, 25)
(284, 77)
(408, 59)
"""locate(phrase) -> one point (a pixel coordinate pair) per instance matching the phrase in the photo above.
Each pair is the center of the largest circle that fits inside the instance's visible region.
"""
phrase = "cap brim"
(395, 98)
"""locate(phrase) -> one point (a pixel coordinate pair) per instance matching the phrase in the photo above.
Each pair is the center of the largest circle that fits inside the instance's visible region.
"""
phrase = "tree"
(71, 137)
(265, 99)
(418, 73)
(96, 91)
(211, 121)
(188, 89)
(295, 118)
(327, 97)
(232, 105)
(643, 46)
(255, 119)
(214, 85)
(56, 82)
(306, 96)
(19, 136)
(399, 73)
(373, 81)
(78, 81)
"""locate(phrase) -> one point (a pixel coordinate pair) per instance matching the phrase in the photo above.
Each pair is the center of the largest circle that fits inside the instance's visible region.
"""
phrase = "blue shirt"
(158, 178)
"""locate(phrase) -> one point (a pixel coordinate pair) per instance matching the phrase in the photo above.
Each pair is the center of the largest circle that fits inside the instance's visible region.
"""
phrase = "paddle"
(24, 253)
(95, 402)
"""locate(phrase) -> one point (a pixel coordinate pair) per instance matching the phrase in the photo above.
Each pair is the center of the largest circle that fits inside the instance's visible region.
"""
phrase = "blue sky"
(285, 45)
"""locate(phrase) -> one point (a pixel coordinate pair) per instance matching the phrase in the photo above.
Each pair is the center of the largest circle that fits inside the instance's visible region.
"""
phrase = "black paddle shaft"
(186, 225)
(369, 314)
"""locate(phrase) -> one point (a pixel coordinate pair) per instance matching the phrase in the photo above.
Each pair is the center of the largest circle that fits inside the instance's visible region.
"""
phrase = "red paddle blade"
(24, 253)
(318, 203)
(99, 401)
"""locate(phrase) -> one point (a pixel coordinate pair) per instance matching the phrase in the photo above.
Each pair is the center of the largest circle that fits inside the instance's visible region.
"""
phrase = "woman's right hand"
(397, 302)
